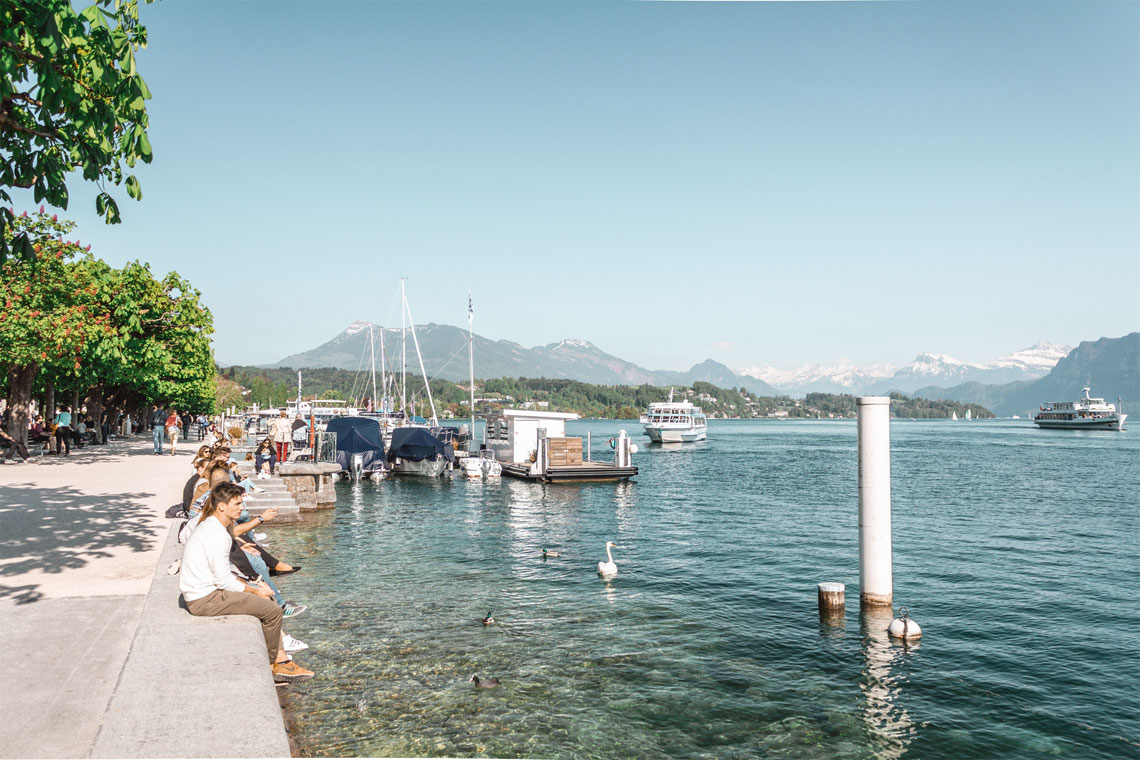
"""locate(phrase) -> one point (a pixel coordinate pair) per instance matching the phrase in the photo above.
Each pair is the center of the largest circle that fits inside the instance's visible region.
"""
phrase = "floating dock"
(584, 471)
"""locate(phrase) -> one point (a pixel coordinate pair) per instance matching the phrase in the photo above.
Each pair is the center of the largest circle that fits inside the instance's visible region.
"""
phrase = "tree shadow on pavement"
(55, 529)
(99, 453)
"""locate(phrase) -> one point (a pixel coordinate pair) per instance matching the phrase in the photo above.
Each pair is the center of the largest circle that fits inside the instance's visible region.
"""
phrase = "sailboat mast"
(416, 343)
(372, 353)
(403, 348)
(471, 360)
(383, 381)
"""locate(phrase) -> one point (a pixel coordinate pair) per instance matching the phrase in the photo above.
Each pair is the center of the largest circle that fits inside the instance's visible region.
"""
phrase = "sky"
(761, 183)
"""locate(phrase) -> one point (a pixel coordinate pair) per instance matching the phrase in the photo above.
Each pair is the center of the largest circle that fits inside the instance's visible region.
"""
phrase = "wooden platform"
(582, 471)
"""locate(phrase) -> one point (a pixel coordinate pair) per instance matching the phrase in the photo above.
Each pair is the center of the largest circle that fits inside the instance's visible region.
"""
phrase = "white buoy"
(903, 627)
(875, 581)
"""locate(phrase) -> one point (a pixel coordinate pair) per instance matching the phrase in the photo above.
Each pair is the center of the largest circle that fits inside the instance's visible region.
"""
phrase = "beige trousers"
(241, 603)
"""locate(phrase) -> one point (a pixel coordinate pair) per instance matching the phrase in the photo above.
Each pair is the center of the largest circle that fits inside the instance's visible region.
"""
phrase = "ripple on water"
(707, 644)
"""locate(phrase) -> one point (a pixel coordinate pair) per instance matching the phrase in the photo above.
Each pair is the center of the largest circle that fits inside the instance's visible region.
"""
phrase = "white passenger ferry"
(675, 422)
(1083, 414)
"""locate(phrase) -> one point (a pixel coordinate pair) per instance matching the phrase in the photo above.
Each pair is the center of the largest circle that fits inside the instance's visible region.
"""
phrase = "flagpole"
(471, 361)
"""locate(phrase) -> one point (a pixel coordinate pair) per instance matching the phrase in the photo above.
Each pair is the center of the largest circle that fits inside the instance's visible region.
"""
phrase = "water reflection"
(884, 716)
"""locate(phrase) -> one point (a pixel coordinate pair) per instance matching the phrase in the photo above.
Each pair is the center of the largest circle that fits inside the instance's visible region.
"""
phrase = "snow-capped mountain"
(927, 369)
(820, 378)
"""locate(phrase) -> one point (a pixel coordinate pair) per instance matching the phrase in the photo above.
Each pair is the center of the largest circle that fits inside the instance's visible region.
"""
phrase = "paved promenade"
(80, 538)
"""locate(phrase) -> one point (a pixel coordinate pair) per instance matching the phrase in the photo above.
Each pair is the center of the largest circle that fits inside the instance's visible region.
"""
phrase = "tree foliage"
(71, 99)
(45, 319)
(116, 336)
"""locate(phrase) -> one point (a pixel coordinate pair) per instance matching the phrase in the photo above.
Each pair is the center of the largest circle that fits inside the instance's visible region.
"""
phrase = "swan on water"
(608, 569)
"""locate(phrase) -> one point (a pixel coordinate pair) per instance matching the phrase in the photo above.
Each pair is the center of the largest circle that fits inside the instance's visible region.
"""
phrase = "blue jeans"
(159, 436)
(258, 459)
(259, 566)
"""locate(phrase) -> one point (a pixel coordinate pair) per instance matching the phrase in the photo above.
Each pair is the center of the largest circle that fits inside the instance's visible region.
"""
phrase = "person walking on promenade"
(282, 431)
(14, 447)
(210, 589)
(63, 431)
(173, 427)
(158, 423)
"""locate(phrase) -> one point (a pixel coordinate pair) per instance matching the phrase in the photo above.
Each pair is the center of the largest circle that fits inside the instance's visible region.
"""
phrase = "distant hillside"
(1111, 366)
(989, 396)
(445, 356)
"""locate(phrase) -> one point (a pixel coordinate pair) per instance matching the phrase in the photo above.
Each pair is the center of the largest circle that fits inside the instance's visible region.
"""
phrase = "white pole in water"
(875, 582)
(471, 360)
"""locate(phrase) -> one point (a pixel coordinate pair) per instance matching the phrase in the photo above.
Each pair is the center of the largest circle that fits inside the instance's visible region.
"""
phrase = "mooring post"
(875, 582)
(831, 597)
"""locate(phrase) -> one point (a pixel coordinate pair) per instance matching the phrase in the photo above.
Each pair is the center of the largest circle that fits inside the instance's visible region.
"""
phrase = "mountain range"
(927, 369)
(1110, 366)
(444, 351)
(1014, 384)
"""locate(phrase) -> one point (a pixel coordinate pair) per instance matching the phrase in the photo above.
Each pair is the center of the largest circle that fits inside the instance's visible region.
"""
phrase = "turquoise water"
(1016, 550)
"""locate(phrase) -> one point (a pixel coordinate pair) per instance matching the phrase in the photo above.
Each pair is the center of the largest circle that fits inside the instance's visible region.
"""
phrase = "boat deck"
(567, 473)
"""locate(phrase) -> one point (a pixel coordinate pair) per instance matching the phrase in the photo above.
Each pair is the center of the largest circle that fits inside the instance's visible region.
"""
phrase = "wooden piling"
(831, 597)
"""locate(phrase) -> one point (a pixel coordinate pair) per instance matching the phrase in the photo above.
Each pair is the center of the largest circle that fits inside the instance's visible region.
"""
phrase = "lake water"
(1015, 548)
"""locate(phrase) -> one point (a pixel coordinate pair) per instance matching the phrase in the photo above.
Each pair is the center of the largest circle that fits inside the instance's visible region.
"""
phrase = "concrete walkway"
(80, 540)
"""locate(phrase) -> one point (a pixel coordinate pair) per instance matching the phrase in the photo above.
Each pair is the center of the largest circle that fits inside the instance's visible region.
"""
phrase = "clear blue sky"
(756, 182)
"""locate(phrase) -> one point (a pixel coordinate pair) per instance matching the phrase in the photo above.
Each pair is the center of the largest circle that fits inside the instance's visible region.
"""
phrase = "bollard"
(875, 582)
(831, 597)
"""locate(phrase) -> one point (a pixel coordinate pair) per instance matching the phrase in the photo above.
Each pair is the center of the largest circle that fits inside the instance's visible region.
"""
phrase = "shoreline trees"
(117, 338)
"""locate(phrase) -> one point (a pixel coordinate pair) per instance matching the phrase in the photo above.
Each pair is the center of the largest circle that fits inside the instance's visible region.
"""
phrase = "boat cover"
(417, 444)
(357, 435)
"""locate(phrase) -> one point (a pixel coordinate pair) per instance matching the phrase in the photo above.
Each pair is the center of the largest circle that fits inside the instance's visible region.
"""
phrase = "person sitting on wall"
(264, 453)
(210, 589)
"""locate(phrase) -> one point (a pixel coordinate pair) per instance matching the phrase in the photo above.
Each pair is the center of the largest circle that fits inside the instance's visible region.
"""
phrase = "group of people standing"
(170, 425)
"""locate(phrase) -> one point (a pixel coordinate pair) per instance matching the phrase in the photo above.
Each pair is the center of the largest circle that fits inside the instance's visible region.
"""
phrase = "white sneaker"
(293, 645)
(258, 490)
(259, 537)
(263, 476)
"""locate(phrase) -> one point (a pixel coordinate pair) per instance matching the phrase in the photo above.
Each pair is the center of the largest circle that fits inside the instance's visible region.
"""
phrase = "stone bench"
(192, 686)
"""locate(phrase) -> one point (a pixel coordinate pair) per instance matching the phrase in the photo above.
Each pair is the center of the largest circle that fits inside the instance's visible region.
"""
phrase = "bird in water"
(488, 620)
(484, 683)
(608, 569)
(546, 553)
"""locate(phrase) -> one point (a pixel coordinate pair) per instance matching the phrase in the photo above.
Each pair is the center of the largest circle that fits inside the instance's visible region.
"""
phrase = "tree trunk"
(49, 404)
(95, 409)
(20, 378)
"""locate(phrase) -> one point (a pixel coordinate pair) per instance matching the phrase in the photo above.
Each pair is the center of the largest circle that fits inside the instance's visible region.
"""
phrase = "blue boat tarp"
(417, 444)
(357, 435)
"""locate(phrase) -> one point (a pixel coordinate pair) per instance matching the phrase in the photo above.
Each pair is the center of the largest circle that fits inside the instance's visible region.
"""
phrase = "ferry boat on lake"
(1083, 414)
(675, 422)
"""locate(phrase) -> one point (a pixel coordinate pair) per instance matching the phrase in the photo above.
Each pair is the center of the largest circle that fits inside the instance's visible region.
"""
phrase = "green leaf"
(133, 188)
(144, 148)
